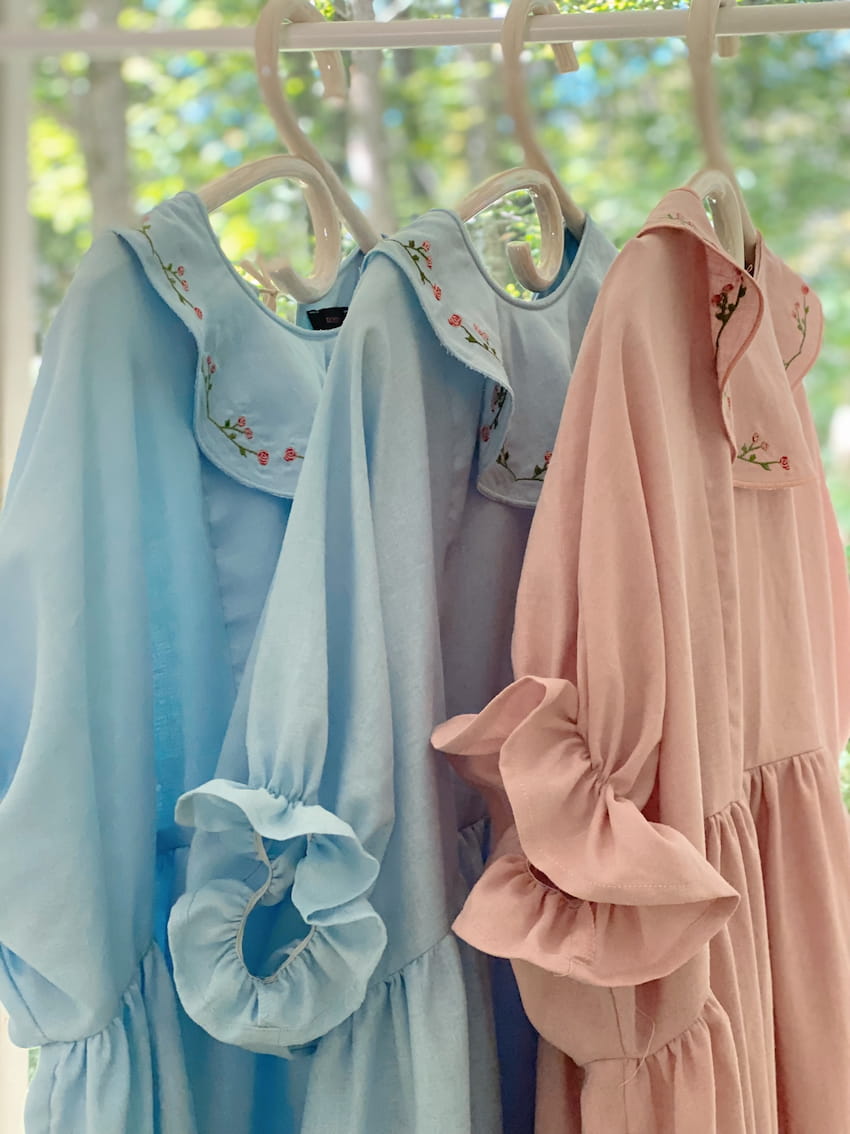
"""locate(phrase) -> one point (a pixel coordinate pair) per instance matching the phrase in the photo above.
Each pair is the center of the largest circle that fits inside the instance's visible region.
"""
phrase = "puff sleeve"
(80, 973)
(277, 937)
(600, 874)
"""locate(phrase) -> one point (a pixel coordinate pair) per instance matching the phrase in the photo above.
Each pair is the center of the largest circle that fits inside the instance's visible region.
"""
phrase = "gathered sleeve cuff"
(581, 883)
(316, 876)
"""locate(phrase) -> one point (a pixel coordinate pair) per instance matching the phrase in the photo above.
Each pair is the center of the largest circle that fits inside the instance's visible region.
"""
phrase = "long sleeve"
(79, 972)
(277, 939)
(593, 879)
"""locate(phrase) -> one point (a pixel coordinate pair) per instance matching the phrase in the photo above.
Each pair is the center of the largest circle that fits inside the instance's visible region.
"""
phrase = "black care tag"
(326, 318)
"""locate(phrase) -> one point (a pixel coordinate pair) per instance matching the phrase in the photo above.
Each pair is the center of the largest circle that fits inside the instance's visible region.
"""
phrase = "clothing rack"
(760, 19)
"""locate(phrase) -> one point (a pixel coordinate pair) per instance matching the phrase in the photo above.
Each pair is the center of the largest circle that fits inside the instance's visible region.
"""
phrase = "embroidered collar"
(258, 376)
(496, 337)
(767, 329)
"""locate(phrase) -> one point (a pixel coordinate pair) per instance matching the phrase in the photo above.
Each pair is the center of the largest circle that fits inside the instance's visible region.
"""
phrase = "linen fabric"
(137, 542)
(333, 848)
(671, 872)
(169, 428)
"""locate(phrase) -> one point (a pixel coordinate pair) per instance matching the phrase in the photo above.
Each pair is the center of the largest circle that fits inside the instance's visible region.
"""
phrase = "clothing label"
(326, 318)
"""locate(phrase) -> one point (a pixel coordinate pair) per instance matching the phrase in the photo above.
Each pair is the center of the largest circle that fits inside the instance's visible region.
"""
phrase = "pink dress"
(671, 864)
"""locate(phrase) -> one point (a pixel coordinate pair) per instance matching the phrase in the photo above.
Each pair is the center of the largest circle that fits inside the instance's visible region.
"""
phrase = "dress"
(331, 824)
(140, 538)
(672, 871)
(137, 544)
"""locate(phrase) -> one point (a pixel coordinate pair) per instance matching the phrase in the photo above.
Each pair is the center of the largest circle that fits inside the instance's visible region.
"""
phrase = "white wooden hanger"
(323, 214)
(533, 277)
(717, 182)
(517, 104)
(555, 207)
(267, 57)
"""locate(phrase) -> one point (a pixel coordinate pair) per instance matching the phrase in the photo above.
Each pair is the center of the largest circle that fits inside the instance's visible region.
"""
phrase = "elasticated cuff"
(315, 865)
(584, 885)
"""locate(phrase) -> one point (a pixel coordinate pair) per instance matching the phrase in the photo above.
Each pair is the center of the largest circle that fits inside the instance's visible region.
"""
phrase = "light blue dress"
(156, 644)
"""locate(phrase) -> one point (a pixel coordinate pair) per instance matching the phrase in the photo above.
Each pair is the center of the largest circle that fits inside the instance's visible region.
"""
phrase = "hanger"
(267, 58)
(531, 276)
(555, 207)
(323, 214)
(733, 223)
(517, 104)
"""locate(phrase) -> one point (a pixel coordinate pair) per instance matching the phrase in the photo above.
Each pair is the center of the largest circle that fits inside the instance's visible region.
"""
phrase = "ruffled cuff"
(583, 885)
(128, 1078)
(319, 939)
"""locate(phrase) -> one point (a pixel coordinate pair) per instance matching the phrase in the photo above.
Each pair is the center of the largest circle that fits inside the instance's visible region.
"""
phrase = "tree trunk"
(100, 120)
(367, 148)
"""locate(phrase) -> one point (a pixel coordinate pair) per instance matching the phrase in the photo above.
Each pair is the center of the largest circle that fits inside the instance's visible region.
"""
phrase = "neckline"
(537, 304)
(285, 324)
(711, 236)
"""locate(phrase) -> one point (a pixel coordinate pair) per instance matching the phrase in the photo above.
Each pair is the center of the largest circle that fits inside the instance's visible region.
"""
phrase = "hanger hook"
(516, 96)
(267, 59)
(323, 215)
(701, 37)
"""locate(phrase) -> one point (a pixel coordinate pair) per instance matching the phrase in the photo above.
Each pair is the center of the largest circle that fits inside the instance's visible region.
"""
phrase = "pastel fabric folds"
(671, 868)
(119, 1064)
(79, 971)
(137, 544)
(332, 849)
(319, 865)
(611, 898)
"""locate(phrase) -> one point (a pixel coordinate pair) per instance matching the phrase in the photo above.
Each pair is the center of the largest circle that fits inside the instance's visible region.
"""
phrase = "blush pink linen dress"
(671, 864)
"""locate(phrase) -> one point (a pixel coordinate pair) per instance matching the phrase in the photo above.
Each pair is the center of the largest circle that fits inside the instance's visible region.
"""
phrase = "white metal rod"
(761, 19)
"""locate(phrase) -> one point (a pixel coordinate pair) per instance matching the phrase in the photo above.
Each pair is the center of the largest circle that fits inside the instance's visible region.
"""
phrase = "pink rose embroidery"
(199, 313)
(263, 457)
(290, 455)
(547, 457)
(242, 420)
(751, 452)
(800, 315)
(426, 245)
(438, 291)
(249, 433)
(455, 320)
(485, 432)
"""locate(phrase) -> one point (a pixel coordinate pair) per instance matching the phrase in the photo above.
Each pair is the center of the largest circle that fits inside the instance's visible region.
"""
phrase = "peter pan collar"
(767, 329)
(258, 376)
(469, 315)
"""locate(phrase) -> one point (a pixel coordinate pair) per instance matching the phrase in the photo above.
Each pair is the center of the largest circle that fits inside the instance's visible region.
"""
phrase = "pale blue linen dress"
(156, 645)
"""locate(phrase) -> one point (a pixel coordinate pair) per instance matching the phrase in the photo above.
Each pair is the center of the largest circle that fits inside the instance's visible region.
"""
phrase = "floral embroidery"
(682, 220)
(238, 431)
(497, 402)
(457, 321)
(419, 253)
(801, 318)
(748, 453)
(176, 276)
(540, 471)
(726, 308)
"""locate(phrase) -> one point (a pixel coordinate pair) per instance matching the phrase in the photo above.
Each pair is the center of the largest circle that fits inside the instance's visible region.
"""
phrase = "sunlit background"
(109, 139)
